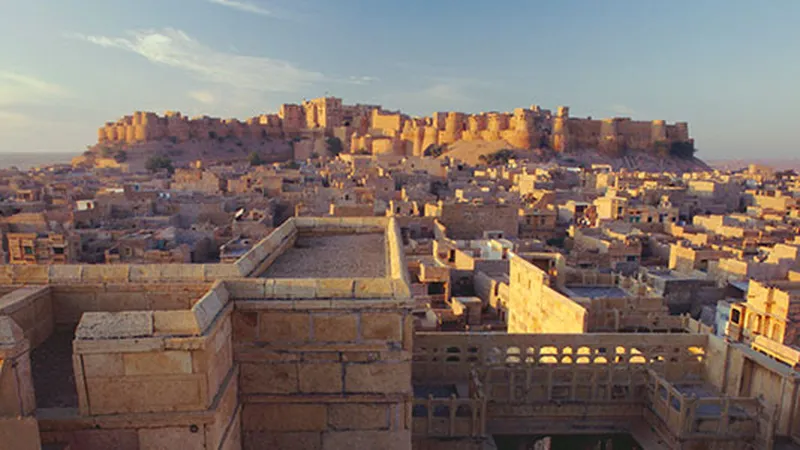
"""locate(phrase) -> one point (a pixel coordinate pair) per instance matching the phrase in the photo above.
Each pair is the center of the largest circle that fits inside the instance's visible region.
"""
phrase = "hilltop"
(327, 126)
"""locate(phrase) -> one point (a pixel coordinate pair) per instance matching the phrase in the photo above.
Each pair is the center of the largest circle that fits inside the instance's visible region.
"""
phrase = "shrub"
(159, 162)
(434, 151)
(121, 156)
(683, 150)
(334, 145)
(255, 159)
(500, 157)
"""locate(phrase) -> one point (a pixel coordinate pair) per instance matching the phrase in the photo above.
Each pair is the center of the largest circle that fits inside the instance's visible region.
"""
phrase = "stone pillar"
(452, 128)
(18, 428)
(430, 137)
(681, 131)
(17, 396)
(658, 131)
(609, 136)
(560, 135)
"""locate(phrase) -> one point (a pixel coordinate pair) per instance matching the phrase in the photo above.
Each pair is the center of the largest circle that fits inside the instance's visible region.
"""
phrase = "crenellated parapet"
(372, 129)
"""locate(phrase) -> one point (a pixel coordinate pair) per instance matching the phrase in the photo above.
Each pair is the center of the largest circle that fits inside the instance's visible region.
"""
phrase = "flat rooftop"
(598, 291)
(332, 256)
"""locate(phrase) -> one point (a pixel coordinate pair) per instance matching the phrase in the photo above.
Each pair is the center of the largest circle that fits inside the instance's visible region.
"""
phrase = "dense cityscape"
(331, 284)
(417, 225)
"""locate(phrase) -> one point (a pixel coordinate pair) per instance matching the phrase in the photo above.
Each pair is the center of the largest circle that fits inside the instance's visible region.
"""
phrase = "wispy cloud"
(247, 7)
(174, 48)
(17, 88)
(446, 92)
(361, 80)
(204, 97)
(622, 109)
(10, 120)
(438, 93)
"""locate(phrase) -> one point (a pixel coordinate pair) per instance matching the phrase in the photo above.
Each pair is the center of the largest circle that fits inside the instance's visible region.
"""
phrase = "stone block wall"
(324, 374)
(154, 379)
(468, 221)
(141, 361)
(535, 307)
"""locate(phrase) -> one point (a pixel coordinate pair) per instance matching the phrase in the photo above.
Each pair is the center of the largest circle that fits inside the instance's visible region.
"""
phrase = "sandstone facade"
(371, 129)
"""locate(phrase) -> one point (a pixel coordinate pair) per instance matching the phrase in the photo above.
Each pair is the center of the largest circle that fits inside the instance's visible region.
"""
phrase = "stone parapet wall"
(672, 354)
(154, 379)
(120, 370)
(263, 254)
(70, 302)
(32, 309)
(115, 273)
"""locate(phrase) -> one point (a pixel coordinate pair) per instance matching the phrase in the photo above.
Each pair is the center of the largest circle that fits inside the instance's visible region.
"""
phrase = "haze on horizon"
(726, 67)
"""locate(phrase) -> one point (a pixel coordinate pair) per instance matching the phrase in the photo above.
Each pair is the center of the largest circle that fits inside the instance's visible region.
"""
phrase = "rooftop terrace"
(351, 255)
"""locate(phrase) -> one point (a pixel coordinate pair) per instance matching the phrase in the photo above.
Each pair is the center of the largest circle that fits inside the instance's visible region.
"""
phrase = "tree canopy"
(434, 151)
(255, 159)
(683, 149)
(335, 145)
(159, 162)
(498, 158)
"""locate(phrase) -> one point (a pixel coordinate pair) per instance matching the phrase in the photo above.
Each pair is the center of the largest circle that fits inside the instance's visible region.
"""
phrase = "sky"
(728, 67)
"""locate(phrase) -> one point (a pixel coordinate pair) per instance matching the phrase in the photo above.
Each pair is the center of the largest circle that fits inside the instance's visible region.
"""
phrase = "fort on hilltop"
(373, 130)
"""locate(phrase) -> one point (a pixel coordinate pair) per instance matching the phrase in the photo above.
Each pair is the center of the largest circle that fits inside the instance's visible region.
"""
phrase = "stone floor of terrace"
(53, 374)
(333, 256)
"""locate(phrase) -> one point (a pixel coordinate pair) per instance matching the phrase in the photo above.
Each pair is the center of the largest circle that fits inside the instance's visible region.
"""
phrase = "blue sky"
(728, 67)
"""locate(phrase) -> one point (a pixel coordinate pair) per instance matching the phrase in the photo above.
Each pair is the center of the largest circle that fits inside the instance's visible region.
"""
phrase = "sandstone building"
(373, 130)
(299, 344)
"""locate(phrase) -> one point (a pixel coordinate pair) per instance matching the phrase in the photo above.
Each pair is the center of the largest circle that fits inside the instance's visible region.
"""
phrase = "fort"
(373, 130)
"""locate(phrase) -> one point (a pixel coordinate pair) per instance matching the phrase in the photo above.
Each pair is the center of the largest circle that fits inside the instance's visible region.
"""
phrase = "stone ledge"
(20, 298)
(68, 419)
(10, 333)
(115, 325)
(388, 398)
(265, 351)
(322, 305)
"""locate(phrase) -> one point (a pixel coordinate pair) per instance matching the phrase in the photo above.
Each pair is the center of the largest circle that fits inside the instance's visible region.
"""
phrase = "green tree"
(121, 156)
(334, 145)
(682, 149)
(434, 151)
(500, 157)
(255, 159)
(159, 162)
